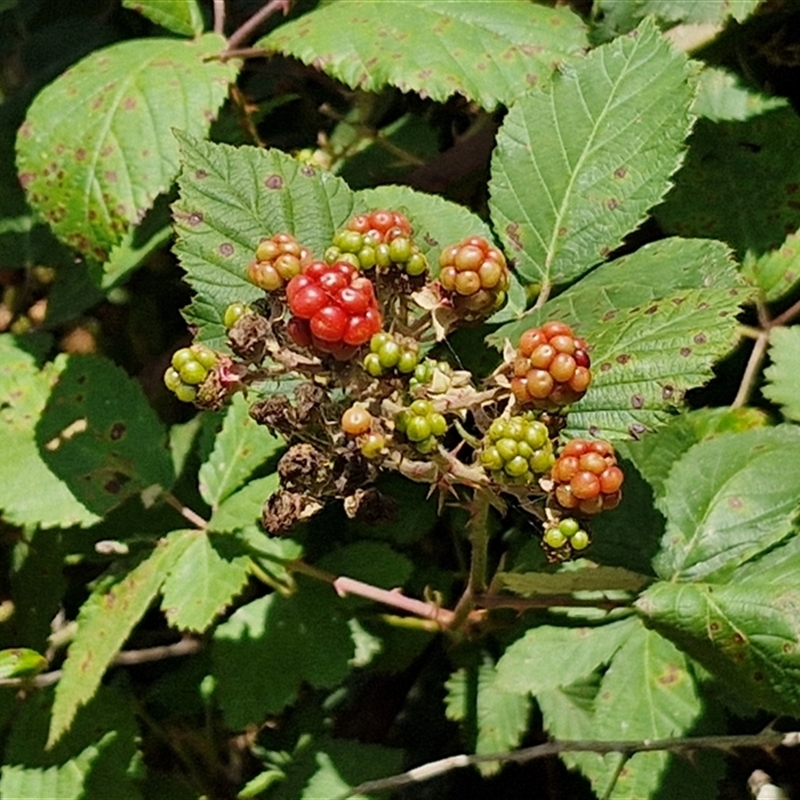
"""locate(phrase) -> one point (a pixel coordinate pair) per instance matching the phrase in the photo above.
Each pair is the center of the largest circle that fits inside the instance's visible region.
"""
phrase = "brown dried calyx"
(304, 467)
(248, 337)
(283, 510)
(371, 507)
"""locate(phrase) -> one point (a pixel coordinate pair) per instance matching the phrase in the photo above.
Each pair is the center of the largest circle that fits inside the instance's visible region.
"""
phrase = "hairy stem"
(768, 738)
(752, 370)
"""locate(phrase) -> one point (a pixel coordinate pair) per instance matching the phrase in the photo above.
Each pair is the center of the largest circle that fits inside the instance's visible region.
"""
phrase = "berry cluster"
(387, 352)
(517, 449)
(189, 368)
(551, 367)
(322, 322)
(422, 425)
(586, 477)
(334, 307)
(379, 239)
(475, 275)
(566, 535)
(278, 260)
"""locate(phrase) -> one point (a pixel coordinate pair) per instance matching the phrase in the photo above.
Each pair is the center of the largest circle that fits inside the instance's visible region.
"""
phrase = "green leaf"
(490, 53)
(739, 183)
(99, 752)
(547, 657)
(656, 322)
(656, 453)
(178, 16)
(21, 662)
(96, 148)
(727, 500)
(775, 272)
(578, 166)
(501, 716)
(105, 622)
(329, 768)
(721, 95)
(270, 647)
(231, 199)
(744, 632)
(593, 578)
(211, 571)
(783, 382)
(240, 448)
(646, 693)
(98, 434)
(25, 390)
(620, 16)
(243, 508)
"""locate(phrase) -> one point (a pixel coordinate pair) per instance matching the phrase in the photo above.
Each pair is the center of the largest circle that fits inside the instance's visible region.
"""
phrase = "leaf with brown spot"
(753, 643)
(150, 86)
(478, 50)
(102, 630)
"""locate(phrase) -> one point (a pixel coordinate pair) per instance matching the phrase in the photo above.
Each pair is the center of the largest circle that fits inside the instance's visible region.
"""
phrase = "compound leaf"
(547, 657)
(178, 16)
(501, 716)
(578, 166)
(728, 499)
(270, 647)
(783, 382)
(240, 447)
(96, 148)
(488, 52)
(647, 692)
(744, 632)
(211, 571)
(105, 621)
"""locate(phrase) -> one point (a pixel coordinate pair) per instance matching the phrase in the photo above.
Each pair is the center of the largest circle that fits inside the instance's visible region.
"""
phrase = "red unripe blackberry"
(475, 275)
(278, 260)
(550, 367)
(586, 476)
(339, 305)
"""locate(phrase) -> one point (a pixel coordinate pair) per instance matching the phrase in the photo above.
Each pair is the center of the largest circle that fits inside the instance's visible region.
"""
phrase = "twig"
(395, 599)
(751, 370)
(766, 739)
(258, 19)
(219, 17)
(185, 511)
(544, 295)
(185, 647)
(479, 541)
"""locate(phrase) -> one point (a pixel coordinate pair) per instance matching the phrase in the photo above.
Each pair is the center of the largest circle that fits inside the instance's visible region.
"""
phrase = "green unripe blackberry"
(422, 425)
(388, 353)
(565, 537)
(516, 448)
(193, 373)
(233, 313)
(189, 367)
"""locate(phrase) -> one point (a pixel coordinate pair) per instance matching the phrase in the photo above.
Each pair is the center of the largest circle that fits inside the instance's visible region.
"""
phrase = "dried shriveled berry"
(586, 476)
(475, 275)
(550, 367)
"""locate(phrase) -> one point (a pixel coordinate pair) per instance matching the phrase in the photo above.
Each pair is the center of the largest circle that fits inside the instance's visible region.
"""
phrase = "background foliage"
(635, 159)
